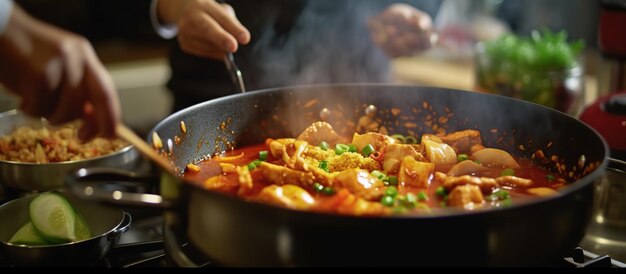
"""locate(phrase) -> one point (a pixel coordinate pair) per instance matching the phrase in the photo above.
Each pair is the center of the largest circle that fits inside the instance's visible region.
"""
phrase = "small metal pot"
(106, 225)
(50, 176)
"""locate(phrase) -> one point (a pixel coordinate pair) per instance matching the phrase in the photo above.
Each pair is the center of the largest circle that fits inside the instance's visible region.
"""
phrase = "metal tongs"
(234, 71)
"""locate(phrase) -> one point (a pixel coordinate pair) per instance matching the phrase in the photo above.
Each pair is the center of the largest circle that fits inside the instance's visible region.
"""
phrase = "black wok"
(234, 232)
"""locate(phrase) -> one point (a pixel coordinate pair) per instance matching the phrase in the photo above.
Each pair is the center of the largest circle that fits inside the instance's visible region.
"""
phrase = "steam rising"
(328, 43)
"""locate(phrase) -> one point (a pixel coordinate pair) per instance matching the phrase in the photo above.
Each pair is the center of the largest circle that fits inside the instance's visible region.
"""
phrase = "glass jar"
(562, 90)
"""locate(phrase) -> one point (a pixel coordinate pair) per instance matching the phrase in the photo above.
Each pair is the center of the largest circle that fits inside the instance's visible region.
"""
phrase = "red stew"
(454, 170)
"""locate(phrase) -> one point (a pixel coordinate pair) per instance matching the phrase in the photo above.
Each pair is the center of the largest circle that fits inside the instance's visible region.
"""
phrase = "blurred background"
(137, 57)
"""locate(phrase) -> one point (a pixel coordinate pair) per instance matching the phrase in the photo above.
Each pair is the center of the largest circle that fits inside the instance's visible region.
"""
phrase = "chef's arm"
(57, 75)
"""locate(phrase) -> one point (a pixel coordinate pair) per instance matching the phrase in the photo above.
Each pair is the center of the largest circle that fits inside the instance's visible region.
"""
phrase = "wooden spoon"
(143, 147)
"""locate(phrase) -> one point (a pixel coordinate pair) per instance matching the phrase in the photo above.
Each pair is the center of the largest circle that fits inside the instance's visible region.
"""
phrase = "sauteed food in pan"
(375, 174)
(46, 145)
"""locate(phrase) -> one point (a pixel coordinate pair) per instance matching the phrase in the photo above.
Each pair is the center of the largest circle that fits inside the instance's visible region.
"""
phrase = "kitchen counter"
(459, 73)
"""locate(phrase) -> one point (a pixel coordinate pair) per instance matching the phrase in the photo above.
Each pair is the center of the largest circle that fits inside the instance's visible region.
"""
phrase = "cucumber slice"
(53, 216)
(28, 235)
(81, 229)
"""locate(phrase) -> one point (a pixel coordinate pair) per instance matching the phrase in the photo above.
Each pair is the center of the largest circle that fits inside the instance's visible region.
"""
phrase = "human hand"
(402, 30)
(57, 75)
(205, 27)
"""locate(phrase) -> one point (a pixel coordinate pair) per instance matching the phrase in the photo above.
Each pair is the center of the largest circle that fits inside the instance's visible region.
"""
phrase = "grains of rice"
(59, 144)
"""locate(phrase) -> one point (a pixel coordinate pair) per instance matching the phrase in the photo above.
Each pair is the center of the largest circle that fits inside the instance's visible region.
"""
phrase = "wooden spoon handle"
(143, 147)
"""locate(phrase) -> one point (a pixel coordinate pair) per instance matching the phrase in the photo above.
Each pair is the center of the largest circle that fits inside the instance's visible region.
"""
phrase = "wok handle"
(617, 164)
(102, 184)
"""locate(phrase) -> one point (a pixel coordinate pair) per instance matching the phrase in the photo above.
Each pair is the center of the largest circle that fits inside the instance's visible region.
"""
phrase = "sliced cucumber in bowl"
(81, 229)
(53, 217)
(28, 235)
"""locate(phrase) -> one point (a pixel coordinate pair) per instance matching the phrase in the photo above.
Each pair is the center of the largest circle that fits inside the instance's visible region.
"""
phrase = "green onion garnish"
(257, 163)
(422, 196)
(410, 140)
(341, 149)
(440, 191)
(323, 145)
(318, 187)
(378, 174)
(367, 150)
(399, 137)
(391, 191)
(328, 191)
(263, 155)
(324, 165)
(352, 148)
(462, 157)
(387, 200)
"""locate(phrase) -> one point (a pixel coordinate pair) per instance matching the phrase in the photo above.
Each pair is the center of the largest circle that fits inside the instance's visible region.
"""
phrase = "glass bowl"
(562, 90)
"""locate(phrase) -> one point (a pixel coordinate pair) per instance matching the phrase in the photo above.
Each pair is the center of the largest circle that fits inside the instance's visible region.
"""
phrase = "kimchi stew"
(375, 174)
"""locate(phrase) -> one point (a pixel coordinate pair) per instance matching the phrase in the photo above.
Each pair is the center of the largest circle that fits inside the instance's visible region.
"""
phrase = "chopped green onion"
(410, 140)
(318, 187)
(440, 191)
(263, 155)
(324, 165)
(393, 180)
(408, 201)
(462, 157)
(507, 172)
(422, 196)
(411, 199)
(443, 204)
(257, 163)
(328, 191)
(500, 194)
(352, 148)
(387, 200)
(378, 174)
(391, 191)
(399, 138)
(323, 145)
(550, 177)
(341, 149)
(251, 166)
(367, 150)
